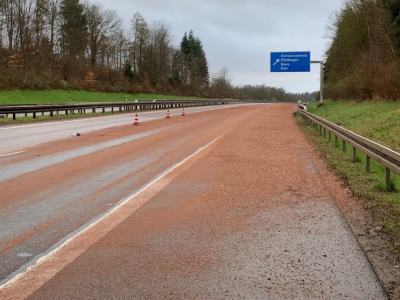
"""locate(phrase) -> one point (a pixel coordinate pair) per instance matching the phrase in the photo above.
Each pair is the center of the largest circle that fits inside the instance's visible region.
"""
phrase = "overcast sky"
(241, 34)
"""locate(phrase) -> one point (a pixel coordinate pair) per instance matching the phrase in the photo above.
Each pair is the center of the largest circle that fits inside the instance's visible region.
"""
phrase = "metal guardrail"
(385, 156)
(71, 108)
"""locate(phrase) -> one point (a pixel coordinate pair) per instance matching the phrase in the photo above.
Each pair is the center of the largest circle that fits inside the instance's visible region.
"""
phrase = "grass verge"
(61, 96)
(379, 122)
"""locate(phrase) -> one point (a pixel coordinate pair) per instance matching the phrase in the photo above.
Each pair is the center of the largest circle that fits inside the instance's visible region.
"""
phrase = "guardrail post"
(336, 142)
(354, 154)
(368, 164)
(344, 147)
(34, 115)
(320, 129)
(51, 114)
(388, 185)
(324, 133)
(14, 116)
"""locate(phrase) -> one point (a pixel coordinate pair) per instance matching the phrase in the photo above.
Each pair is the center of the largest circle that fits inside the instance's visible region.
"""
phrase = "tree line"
(362, 61)
(67, 44)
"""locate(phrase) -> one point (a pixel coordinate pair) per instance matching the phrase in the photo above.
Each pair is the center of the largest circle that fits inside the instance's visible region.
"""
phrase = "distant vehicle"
(301, 105)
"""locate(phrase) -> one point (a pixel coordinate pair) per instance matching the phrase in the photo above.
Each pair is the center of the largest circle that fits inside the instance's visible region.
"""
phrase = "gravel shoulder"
(361, 218)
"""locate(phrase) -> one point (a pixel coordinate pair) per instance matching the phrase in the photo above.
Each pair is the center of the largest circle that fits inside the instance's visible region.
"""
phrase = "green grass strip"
(61, 96)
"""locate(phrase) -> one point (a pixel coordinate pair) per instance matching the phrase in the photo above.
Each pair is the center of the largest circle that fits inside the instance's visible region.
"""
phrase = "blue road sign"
(290, 61)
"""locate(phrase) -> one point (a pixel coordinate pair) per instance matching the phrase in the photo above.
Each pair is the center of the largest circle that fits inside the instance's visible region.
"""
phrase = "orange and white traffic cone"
(168, 114)
(183, 112)
(136, 120)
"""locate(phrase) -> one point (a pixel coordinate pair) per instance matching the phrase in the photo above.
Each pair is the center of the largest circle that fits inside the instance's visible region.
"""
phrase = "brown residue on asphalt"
(255, 216)
(253, 219)
(18, 240)
(204, 124)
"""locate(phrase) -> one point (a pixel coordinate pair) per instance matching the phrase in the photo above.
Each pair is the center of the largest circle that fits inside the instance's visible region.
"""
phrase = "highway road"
(16, 138)
(224, 203)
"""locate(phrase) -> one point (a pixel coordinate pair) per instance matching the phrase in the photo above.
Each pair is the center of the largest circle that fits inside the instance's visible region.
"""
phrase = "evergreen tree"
(128, 70)
(195, 62)
(73, 28)
(393, 7)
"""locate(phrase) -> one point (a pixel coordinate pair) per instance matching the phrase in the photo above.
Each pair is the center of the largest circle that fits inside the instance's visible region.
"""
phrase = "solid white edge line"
(13, 282)
(60, 122)
(13, 153)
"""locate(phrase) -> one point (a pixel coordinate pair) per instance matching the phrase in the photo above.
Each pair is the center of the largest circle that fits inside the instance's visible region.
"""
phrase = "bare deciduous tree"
(100, 24)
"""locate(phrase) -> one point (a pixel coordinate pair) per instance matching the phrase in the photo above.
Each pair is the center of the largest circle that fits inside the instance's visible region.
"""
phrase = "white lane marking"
(61, 122)
(44, 162)
(86, 119)
(25, 283)
(13, 153)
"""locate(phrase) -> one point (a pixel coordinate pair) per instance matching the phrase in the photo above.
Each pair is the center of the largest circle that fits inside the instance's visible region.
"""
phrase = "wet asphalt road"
(47, 195)
(241, 219)
(14, 138)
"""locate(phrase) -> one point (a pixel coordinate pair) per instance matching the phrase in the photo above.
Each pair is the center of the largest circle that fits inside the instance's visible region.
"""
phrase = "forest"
(73, 45)
(362, 61)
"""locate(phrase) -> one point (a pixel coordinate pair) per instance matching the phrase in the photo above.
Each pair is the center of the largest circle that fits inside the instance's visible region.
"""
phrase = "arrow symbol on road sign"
(277, 61)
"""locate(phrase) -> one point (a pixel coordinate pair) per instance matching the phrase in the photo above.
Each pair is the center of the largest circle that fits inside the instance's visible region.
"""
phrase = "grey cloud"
(240, 34)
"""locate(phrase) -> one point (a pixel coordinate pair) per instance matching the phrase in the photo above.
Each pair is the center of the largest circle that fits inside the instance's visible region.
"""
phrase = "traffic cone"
(136, 120)
(168, 114)
(183, 112)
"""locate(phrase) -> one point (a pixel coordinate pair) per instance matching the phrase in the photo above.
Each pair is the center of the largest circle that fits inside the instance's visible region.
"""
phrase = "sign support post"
(321, 90)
